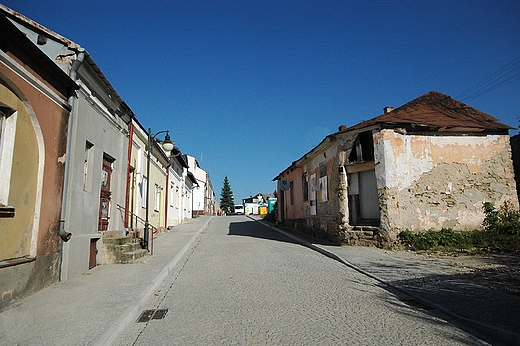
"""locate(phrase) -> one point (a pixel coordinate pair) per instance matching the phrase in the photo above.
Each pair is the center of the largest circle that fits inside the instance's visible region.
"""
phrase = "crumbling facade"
(429, 164)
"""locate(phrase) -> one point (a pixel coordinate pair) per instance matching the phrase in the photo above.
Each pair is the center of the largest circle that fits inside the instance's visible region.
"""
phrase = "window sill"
(16, 261)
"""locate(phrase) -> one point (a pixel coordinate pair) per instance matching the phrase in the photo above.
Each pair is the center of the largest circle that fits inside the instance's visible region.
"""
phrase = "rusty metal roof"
(437, 111)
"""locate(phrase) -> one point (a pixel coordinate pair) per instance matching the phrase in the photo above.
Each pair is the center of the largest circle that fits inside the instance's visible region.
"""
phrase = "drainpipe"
(127, 197)
(65, 236)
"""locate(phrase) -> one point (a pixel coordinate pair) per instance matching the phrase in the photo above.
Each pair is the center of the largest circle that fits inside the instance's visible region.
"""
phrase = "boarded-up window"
(305, 187)
(323, 184)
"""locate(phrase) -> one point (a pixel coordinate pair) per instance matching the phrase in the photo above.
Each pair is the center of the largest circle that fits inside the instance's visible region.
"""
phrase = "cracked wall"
(441, 180)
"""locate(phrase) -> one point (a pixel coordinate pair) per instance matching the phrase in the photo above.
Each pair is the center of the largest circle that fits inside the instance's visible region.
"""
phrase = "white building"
(203, 195)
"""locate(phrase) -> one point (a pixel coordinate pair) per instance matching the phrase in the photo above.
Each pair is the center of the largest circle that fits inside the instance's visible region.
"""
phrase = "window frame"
(8, 117)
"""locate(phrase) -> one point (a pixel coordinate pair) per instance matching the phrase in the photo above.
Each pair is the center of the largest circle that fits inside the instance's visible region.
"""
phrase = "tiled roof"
(433, 111)
(438, 111)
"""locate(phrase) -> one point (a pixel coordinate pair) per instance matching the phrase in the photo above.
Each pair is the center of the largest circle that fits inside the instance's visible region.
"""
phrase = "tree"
(227, 204)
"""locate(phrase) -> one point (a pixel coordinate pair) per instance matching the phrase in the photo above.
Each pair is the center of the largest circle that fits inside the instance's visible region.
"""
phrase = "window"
(363, 149)
(157, 199)
(291, 190)
(171, 195)
(142, 191)
(177, 197)
(87, 167)
(305, 187)
(7, 135)
(322, 184)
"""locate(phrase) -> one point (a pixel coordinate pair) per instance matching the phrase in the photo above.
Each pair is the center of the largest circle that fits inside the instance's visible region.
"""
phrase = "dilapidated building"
(429, 164)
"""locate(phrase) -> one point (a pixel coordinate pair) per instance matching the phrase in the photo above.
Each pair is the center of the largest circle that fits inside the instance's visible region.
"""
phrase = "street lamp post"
(167, 145)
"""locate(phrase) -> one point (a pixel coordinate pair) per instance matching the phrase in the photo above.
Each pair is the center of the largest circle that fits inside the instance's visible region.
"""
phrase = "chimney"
(388, 109)
(342, 127)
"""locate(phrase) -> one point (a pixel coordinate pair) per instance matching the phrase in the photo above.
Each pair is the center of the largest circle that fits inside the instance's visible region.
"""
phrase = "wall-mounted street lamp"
(167, 146)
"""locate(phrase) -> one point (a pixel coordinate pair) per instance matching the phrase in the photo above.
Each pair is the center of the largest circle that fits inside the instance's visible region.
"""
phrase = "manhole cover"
(148, 315)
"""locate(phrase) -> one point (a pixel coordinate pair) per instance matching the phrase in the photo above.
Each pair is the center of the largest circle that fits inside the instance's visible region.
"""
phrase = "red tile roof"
(436, 111)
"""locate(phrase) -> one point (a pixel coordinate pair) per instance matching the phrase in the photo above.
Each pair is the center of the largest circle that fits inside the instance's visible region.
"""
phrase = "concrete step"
(121, 249)
(131, 256)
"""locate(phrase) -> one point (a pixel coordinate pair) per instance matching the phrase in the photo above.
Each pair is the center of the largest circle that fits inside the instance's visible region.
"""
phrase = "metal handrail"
(140, 220)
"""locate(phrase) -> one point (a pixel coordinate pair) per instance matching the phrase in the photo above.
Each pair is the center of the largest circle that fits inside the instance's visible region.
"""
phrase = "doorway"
(363, 199)
(93, 253)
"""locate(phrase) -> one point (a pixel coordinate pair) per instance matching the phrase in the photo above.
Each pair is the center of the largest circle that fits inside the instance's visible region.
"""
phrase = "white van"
(239, 209)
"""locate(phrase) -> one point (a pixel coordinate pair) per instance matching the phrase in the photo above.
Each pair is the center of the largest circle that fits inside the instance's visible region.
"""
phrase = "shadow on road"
(256, 229)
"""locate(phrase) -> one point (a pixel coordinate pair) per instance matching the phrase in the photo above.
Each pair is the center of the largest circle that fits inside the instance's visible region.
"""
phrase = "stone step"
(362, 236)
(117, 241)
(118, 249)
(121, 249)
(131, 256)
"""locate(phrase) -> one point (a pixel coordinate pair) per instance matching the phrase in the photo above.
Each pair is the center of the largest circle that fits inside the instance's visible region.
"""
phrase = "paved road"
(245, 283)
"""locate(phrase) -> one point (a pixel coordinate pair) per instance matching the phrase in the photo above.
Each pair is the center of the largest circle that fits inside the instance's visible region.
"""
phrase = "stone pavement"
(93, 308)
(490, 312)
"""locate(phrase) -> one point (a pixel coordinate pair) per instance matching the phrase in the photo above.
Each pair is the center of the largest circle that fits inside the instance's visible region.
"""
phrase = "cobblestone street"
(245, 283)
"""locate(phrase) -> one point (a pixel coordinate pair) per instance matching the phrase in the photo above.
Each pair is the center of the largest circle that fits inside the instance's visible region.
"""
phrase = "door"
(363, 198)
(93, 253)
(368, 197)
(105, 196)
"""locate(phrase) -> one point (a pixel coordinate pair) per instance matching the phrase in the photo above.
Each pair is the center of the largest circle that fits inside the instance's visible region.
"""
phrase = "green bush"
(500, 232)
(504, 221)
(446, 238)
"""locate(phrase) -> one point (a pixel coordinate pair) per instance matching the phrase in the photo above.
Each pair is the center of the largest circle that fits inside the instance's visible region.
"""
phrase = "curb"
(503, 336)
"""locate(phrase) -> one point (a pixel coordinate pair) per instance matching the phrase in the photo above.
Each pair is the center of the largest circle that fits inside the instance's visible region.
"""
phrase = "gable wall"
(440, 180)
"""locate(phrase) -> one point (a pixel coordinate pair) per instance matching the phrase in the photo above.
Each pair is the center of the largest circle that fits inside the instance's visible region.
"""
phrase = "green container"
(270, 204)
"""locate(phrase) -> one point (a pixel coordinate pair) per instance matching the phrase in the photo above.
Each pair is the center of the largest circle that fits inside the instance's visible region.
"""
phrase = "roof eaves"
(20, 17)
(34, 51)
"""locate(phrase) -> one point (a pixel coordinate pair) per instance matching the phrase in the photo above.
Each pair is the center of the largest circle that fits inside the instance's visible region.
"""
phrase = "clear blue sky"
(247, 87)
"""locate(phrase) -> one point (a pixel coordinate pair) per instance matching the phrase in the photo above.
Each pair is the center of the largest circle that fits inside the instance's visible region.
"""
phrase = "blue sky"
(247, 87)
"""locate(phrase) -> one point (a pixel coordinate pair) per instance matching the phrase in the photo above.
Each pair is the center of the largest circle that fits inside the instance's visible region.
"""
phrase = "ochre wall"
(17, 232)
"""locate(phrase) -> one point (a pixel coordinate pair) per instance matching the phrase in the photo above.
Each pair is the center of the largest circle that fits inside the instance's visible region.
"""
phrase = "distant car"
(239, 209)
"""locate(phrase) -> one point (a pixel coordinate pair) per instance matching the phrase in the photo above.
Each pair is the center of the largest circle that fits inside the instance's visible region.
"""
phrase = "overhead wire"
(506, 75)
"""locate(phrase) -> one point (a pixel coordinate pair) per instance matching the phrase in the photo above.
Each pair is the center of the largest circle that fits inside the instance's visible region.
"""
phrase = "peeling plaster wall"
(325, 218)
(440, 180)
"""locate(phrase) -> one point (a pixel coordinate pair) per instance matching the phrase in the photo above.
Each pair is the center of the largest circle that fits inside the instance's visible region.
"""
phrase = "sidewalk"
(487, 311)
(93, 308)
